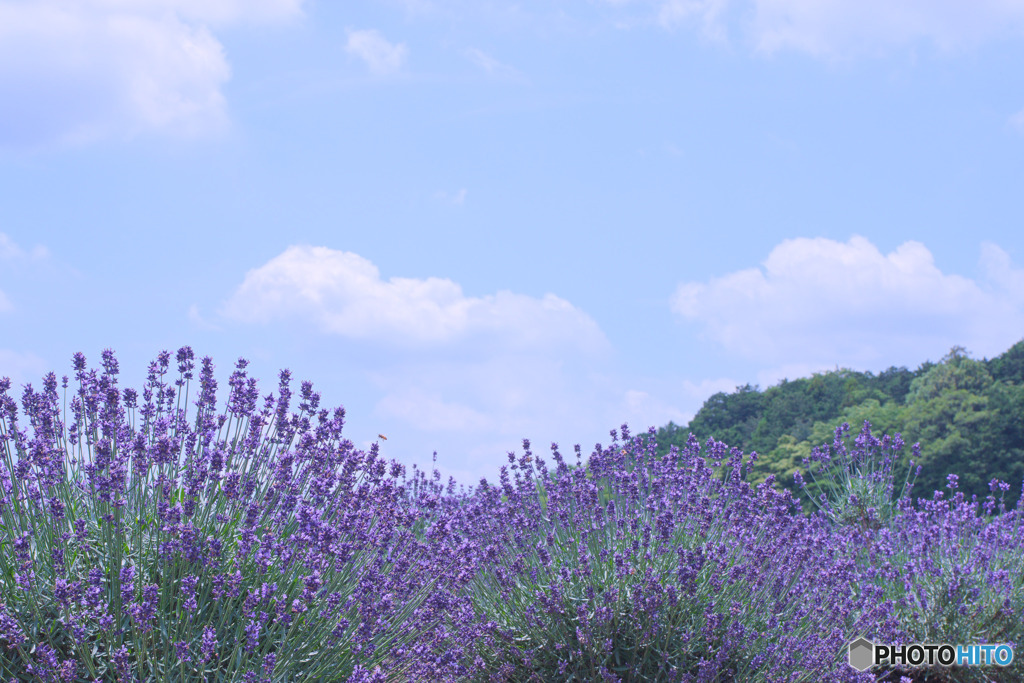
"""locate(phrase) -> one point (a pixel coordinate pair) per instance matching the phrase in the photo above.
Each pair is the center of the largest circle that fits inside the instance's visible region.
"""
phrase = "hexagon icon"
(862, 654)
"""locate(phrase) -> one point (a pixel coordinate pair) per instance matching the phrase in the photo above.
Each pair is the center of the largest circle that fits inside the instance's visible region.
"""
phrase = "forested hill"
(968, 416)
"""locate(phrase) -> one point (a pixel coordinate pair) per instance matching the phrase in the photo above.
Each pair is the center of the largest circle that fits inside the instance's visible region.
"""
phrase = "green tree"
(968, 416)
(1009, 366)
(731, 418)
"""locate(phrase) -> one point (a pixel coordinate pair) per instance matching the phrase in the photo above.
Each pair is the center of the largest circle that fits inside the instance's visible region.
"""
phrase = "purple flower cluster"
(257, 544)
(638, 568)
(141, 545)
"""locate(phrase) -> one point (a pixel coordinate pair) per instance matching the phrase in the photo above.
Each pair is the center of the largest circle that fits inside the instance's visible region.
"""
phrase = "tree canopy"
(966, 414)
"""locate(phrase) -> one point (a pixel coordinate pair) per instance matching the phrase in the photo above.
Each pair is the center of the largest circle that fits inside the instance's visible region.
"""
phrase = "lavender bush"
(952, 568)
(258, 545)
(955, 571)
(249, 545)
(857, 484)
(637, 569)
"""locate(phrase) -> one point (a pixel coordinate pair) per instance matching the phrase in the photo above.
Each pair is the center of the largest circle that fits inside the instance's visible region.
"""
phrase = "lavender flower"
(257, 544)
(140, 544)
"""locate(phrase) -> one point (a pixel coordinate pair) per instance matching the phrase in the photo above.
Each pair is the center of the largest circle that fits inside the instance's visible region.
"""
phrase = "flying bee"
(383, 437)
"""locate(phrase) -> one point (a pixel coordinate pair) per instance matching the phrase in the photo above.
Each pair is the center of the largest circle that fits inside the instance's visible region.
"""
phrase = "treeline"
(967, 414)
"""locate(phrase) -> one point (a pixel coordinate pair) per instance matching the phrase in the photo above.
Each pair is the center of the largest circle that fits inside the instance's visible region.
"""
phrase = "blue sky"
(471, 222)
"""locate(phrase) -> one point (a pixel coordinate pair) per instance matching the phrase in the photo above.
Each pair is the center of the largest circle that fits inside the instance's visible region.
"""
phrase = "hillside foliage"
(966, 414)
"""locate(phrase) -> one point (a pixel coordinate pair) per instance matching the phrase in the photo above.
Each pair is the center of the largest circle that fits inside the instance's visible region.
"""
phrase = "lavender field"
(159, 535)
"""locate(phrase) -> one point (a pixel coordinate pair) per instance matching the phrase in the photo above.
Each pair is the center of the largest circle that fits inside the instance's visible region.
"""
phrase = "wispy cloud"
(507, 394)
(211, 12)
(414, 7)
(641, 409)
(457, 198)
(10, 251)
(12, 254)
(22, 368)
(833, 28)
(999, 269)
(491, 65)
(1017, 121)
(707, 13)
(380, 56)
(845, 27)
(197, 319)
(427, 410)
(820, 302)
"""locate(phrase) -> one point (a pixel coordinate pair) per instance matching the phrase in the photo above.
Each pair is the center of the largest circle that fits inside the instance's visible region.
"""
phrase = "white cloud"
(769, 377)
(22, 368)
(414, 7)
(842, 28)
(455, 198)
(481, 409)
(642, 410)
(664, 400)
(709, 13)
(999, 269)
(475, 410)
(75, 72)
(506, 394)
(818, 302)
(706, 387)
(427, 410)
(10, 251)
(197, 319)
(343, 294)
(1017, 121)
(214, 12)
(476, 374)
(491, 65)
(380, 56)
(837, 27)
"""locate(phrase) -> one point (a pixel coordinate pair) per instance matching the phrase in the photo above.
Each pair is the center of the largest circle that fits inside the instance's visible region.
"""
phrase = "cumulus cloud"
(819, 302)
(75, 72)
(343, 294)
(380, 56)
(472, 375)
